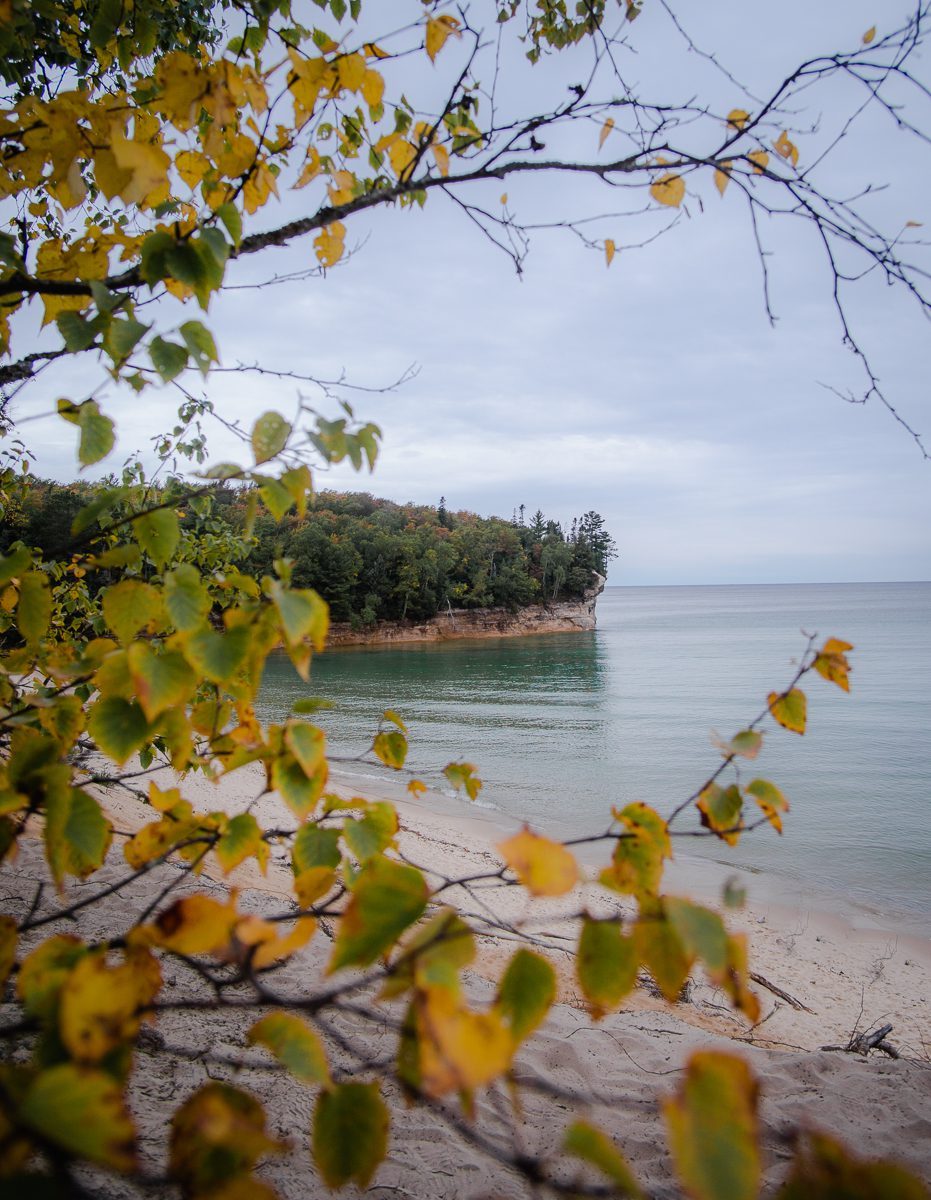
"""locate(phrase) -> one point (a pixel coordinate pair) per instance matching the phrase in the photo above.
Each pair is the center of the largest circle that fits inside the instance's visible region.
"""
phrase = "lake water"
(563, 727)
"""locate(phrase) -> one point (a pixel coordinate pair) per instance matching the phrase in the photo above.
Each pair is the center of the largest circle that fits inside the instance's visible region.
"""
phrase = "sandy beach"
(836, 976)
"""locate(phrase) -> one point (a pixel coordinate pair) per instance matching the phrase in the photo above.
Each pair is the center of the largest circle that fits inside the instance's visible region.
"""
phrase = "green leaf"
(15, 563)
(118, 727)
(526, 993)
(129, 606)
(373, 832)
(186, 599)
(298, 790)
(217, 1136)
(106, 500)
(77, 333)
(77, 834)
(303, 614)
(199, 341)
(294, 1044)
(158, 534)
(462, 776)
(270, 435)
(167, 358)
(122, 337)
(639, 853)
(310, 705)
(83, 1112)
(700, 931)
(43, 972)
(712, 1125)
(588, 1143)
(350, 1133)
(386, 899)
(315, 847)
(229, 215)
(218, 656)
(241, 838)
(34, 607)
(606, 965)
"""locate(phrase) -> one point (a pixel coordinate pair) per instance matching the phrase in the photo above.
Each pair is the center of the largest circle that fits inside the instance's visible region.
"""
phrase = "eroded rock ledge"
(567, 616)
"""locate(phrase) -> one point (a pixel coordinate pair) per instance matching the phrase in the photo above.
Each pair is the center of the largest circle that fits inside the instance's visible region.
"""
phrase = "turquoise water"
(563, 727)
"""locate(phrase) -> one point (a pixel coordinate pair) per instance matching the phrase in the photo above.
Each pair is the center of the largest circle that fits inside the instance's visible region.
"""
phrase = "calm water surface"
(562, 727)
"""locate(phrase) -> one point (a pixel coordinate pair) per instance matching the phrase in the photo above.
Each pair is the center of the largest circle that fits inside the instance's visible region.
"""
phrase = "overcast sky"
(655, 392)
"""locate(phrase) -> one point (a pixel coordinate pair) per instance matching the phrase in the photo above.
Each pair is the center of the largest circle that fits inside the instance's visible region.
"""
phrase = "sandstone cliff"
(567, 616)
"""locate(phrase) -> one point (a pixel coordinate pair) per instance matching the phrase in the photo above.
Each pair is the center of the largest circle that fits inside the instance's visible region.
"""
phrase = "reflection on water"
(564, 726)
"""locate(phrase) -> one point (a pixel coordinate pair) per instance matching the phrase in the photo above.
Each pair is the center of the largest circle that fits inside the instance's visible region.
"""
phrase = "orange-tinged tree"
(142, 145)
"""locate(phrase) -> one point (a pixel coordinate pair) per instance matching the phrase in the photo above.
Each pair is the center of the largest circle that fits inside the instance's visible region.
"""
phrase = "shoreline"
(838, 978)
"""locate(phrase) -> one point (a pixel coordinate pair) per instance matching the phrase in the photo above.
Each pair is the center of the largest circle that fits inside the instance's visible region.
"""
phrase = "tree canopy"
(143, 149)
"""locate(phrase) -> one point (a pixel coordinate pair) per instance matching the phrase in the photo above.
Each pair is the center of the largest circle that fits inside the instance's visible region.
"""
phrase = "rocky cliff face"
(569, 616)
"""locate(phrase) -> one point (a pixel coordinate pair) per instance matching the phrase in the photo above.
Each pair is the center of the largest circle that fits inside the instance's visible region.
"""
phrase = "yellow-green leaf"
(43, 972)
(187, 601)
(526, 993)
(594, 1147)
(770, 799)
(543, 866)
(386, 898)
(391, 747)
(712, 1122)
(700, 931)
(303, 614)
(129, 606)
(350, 1133)
(241, 838)
(77, 834)
(639, 852)
(157, 532)
(789, 709)
(315, 847)
(823, 1169)
(720, 810)
(373, 832)
(217, 1137)
(294, 1044)
(270, 435)
(462, 776)
(83, 1112)
(218, 656)
(8, 940)
(119, 727)
(161, 680)
(661, 951)
(34, 608)
(308, 745)
(606, 965)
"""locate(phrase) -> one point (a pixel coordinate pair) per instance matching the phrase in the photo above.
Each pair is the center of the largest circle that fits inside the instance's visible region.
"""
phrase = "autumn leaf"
(789, 709)
(543, 866)
(712, 1123)
(439, 29)
(737, 118)
(831, 662)
(605, 131)
(786, 149)
(609, 251)
(668, 189)
(350, 1133)
(869, 35)
(722, 176)
(760, 160)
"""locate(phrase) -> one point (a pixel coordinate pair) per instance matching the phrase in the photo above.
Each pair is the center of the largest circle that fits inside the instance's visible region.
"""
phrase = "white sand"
(847, 978)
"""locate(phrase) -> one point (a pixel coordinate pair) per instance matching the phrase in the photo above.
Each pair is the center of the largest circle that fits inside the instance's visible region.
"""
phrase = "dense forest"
(370, 559)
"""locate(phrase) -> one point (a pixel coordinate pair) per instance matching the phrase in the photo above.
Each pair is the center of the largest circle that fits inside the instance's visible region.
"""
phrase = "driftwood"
(863, 1043)
(777, 991)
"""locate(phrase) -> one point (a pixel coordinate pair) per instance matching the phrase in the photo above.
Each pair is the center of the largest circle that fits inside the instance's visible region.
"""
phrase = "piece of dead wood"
(863, 1043)
(777, 991)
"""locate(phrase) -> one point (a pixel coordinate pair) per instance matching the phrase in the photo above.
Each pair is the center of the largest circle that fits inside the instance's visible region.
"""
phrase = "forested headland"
(371, 559)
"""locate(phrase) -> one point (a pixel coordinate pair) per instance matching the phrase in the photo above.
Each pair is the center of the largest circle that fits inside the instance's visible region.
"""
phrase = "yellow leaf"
(459, 1049)
(438, 30)
(373, 88)
(544, 867)
(831, 662)
(770, 799)
(401, 154)
(760, 159)
(417, 788)
(637, 865)
(786, 149)
(310, 170)
(196, 925)
(148, 172)
(722, 176)
(329, 243)
(605, 131)
(668, 189)
(441, 158)
(737, 118)
(351, 70)
(789, 709)
(504, 199)
(609, 251)
(869, 35)
(313, 883)
(100, 1003)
